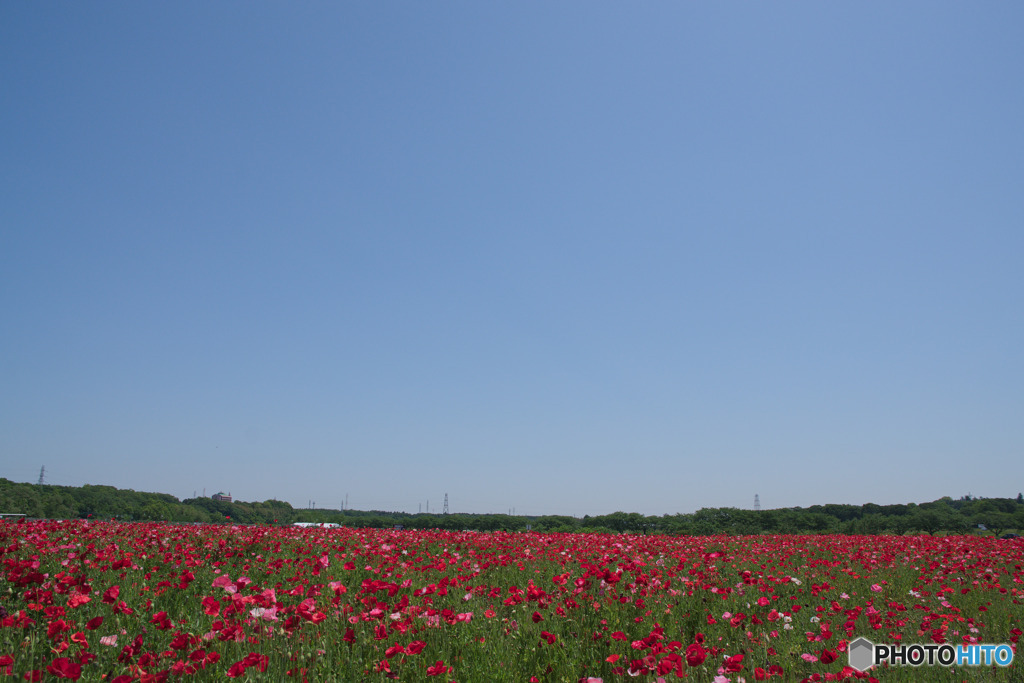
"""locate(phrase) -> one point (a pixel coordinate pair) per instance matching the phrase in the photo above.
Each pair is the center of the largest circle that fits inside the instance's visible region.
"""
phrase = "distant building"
(221, 497)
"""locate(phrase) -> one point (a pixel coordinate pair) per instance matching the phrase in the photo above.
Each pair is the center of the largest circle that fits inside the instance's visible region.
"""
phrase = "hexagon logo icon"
(861, 653)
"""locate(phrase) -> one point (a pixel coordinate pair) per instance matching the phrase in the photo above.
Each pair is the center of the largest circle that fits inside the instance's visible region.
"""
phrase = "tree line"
(944, 516)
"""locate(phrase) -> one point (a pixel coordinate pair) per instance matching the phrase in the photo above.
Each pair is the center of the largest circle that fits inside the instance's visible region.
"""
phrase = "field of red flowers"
(156, 602)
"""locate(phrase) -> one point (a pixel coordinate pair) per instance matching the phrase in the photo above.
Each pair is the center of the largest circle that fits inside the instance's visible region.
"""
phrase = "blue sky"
(570, 258)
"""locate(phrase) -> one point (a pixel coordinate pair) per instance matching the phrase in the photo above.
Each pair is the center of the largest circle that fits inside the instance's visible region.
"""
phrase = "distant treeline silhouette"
(946, 515)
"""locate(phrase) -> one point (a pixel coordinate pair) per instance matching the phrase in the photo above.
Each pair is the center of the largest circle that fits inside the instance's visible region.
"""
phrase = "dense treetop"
(946, 515)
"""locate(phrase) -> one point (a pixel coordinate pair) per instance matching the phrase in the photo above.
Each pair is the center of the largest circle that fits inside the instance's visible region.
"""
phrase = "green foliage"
(943, 516)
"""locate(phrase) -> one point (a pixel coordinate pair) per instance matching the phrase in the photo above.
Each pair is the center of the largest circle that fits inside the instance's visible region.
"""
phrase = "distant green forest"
(943, 516)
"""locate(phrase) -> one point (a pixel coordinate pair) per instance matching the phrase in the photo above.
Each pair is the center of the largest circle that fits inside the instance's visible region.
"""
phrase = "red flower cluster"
(155, 602)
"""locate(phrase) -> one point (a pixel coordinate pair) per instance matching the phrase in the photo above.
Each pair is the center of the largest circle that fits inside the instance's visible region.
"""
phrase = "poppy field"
(120, 602)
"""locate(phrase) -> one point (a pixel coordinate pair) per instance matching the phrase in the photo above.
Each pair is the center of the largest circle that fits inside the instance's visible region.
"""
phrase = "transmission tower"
(445, 511)
(42, 474)
(757, 502)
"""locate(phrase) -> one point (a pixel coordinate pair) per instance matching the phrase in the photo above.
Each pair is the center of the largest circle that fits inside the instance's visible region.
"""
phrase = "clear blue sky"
(570, 257)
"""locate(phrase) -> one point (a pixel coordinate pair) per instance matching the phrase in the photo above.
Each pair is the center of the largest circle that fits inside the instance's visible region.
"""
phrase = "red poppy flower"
(62, 667)
(211, 606)
(77, 600)
(161, 620)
